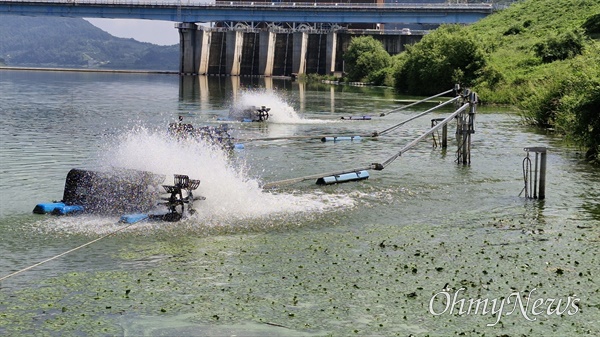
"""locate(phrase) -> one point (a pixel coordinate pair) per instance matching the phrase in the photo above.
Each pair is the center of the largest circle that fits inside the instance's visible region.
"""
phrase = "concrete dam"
(280, 52)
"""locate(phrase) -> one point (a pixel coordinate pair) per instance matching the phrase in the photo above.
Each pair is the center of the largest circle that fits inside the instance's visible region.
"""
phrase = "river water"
(411, 250)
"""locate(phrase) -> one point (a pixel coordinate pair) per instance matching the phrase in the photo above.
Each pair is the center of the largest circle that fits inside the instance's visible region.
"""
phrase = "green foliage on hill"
(76, 43)
(542, 56)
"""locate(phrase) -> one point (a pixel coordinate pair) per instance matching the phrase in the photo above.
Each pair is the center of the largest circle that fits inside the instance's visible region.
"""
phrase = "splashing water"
(230, 194)
(281, 112)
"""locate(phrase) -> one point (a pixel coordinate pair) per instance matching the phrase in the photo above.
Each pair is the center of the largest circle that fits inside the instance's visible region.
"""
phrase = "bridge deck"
(252, 11)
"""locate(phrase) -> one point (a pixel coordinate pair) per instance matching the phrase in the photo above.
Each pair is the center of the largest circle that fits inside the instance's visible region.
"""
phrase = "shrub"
(569, 101)
(579, 116)
(560, 47)
(365, 59)
(592, 25)
(447, 56)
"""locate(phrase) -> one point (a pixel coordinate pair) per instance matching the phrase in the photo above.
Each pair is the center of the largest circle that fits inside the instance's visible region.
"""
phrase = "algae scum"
(425, 247)
(311, 279)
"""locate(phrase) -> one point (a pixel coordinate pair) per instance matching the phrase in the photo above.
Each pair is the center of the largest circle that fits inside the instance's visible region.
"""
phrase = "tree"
(366, 60)
(447, 56)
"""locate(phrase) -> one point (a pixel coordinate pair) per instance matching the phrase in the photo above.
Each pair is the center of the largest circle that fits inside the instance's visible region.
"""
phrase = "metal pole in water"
(444, 140)
(445, 136)
(459, 137)
(542, 194)
(535, 176)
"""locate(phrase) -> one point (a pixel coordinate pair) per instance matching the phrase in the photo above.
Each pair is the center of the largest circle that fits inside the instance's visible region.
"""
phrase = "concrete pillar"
(188, 48)
(233, 54)
(204, 93)
(331, 53)
(266, 53)
(205, 37)
(235, 87)
(268, 83)
(299, 53)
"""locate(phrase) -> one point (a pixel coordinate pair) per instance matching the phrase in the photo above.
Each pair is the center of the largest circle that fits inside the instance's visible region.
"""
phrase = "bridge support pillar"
(233, 54)
(299, 53)
(331, 53)
(205, 37)
(266, 53)
(189, 48)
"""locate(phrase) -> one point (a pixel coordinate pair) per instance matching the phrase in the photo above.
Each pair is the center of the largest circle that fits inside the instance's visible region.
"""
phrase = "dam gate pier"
(274, 51)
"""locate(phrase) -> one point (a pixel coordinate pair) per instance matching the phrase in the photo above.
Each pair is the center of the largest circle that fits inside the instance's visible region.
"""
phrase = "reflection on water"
(352, 259)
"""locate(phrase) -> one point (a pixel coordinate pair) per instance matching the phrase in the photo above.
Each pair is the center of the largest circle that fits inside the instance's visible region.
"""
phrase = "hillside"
(76, 43)
(543, 56)
(510, 38)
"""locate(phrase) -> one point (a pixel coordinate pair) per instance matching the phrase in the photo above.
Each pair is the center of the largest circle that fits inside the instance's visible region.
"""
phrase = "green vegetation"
(367, 60)
(548, 58)
(76, 43)
(541, 56)
(446, 56)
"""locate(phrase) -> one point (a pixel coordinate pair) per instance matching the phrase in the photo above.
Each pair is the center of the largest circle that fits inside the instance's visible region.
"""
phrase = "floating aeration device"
(176, 200)
(135, 193)
(342, 178)
(357, 118)
(262, 114)
(340, 138)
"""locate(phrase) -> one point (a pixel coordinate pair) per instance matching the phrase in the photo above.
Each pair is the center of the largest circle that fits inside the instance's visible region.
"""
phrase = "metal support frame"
(465, 127)
(535, 185)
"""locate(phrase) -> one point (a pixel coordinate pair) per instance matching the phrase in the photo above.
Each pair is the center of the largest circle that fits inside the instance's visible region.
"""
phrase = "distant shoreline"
(123, 71)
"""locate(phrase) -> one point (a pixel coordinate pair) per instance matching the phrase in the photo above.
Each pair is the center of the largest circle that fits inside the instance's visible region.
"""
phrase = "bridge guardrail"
(231, 4)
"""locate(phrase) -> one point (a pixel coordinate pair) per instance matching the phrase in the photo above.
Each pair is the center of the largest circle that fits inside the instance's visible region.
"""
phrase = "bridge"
(406, 13)
(275, 49)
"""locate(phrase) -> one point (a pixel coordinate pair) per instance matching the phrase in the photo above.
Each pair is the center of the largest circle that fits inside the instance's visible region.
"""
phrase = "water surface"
(362, 258)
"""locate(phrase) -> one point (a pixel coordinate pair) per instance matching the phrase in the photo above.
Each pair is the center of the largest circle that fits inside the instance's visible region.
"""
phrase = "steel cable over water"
(417, 116)
(373, 166)
(421, 137)
(64, 253)
(417, 102)
(373, 134)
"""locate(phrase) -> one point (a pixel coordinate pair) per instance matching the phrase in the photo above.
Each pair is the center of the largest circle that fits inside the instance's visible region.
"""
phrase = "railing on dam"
(255, 4)
(181, 11)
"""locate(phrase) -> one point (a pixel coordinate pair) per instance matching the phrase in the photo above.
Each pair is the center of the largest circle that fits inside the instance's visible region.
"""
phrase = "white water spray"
(230, 193)
(281, 111)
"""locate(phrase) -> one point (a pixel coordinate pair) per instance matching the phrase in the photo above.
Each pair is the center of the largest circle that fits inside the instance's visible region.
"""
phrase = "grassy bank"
(543, 56)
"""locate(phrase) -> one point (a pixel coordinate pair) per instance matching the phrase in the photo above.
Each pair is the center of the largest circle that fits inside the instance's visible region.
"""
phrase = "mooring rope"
(415, 103)
(65, 253)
